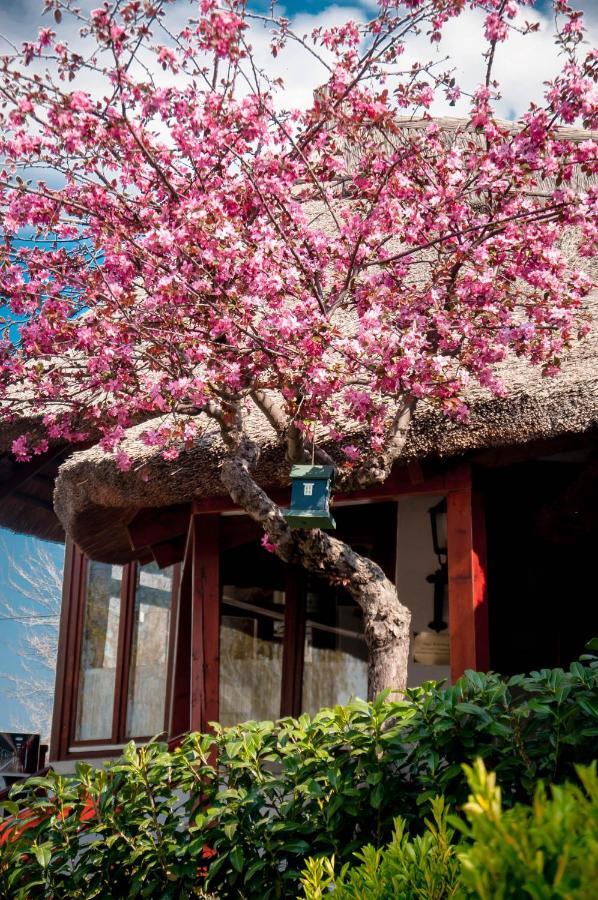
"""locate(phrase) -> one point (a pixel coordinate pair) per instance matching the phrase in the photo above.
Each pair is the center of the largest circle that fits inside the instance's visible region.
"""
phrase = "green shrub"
(168, 824)
(546, 851)
(424, 868)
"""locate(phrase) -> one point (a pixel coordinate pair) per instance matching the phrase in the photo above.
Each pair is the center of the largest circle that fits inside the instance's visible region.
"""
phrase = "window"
(123, 653)
(148, 670)
(335, 666)
(291, 643)
(248, 637)
(99, 649)
(251, 652)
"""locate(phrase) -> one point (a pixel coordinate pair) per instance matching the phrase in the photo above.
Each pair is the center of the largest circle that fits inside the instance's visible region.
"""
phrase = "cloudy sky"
(522, 65)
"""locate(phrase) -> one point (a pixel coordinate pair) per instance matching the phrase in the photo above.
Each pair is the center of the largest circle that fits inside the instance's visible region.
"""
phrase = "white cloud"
(522, 64)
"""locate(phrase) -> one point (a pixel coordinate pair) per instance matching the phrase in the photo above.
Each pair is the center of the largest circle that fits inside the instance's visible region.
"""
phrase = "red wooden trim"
(205, 623)
(293, 643)
(26, 470)
(180, 703)
(64, 662)
(154, 526)
(400, 483)
(468, 608)
(124, 653)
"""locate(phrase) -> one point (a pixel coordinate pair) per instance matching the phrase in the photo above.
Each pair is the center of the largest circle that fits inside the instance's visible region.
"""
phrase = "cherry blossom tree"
(202, 255)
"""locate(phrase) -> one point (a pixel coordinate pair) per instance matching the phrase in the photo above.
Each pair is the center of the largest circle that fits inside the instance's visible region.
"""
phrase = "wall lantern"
(310, 497)
(439, 578)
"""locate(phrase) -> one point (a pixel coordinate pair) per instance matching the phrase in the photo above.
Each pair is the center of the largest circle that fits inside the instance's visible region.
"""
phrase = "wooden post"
(468, 602)
(66, 660)
(180, 704)
(205, 622)
(293, 643)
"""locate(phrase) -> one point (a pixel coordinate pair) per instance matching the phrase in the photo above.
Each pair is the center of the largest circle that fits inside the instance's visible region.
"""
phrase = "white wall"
(415, 561)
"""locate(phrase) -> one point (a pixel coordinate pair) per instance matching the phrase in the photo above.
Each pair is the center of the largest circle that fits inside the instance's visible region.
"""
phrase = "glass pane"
(146, 700)
(251, 636)
(335, 664)
(98, 652)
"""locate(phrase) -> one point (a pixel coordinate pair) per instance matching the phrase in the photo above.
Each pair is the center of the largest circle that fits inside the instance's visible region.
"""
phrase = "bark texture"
(386, 619)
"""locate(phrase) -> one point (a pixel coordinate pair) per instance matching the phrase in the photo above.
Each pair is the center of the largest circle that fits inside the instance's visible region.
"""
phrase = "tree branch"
(377, 468)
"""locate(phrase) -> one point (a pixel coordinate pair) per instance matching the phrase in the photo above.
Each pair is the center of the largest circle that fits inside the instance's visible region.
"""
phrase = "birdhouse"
(310, 497)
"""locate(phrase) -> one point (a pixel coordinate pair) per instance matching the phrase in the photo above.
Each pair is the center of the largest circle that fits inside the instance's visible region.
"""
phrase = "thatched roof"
(95, 501)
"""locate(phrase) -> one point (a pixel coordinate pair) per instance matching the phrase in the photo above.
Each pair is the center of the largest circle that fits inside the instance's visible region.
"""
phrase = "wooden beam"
(66, 661)
(154, 526)
(400, 483)
(205, 623)
(468, 606)
(22, 472)
(32, 500)
(175, 596)
(293, 643)
(180, 703)
(170, 552)
(124, 653)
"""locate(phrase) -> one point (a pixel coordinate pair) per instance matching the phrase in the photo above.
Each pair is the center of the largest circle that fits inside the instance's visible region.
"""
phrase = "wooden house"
(174, 615)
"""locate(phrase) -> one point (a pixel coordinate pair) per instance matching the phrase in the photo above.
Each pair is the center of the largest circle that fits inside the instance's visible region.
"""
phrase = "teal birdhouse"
(310, 497)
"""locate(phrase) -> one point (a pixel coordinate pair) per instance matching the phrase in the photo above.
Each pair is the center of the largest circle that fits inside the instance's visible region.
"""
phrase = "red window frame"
(64, 744)
(193, 666)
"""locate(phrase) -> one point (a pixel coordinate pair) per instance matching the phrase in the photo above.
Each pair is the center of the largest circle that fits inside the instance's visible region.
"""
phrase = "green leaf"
(473, 710)
(377, 796)
(297, 846)
(254, 868)
(229, 829)
(43, 855)
(237, 858)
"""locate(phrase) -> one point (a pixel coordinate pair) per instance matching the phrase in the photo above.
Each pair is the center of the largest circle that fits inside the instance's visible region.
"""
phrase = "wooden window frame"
(467, 588)
(193, 685)
(64, 745)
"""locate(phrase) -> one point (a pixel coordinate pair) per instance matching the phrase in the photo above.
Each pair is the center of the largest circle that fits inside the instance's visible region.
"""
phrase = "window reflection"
(335, 661)
(146, 701)
(97, 672)
(251, 639)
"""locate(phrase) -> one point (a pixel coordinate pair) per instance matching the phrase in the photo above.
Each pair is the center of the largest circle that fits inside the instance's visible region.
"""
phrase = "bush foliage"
(171, 824)
(425, 867)
(546, 851)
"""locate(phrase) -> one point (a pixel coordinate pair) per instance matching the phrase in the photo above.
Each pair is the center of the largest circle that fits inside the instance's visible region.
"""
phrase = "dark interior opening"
(542, 532)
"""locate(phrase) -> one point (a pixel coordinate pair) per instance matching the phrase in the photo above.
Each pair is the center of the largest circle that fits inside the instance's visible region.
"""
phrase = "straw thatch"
(95, 501)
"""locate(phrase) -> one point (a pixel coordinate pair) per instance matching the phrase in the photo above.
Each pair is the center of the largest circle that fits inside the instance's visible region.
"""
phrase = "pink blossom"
(123, 461)
(20, 448)
(351, 452)
(231, 251)
(267, 544)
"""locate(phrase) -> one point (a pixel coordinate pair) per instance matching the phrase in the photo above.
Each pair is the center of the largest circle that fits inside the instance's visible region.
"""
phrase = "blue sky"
(11, 631)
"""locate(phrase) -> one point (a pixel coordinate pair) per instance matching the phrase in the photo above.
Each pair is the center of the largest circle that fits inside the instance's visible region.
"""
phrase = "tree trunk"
(386, 620)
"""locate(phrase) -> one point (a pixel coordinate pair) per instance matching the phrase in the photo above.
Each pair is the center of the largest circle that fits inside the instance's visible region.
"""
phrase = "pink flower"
(80, 101)
(123, 461)
(20, 448)
(351, 452)
(267, 544)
